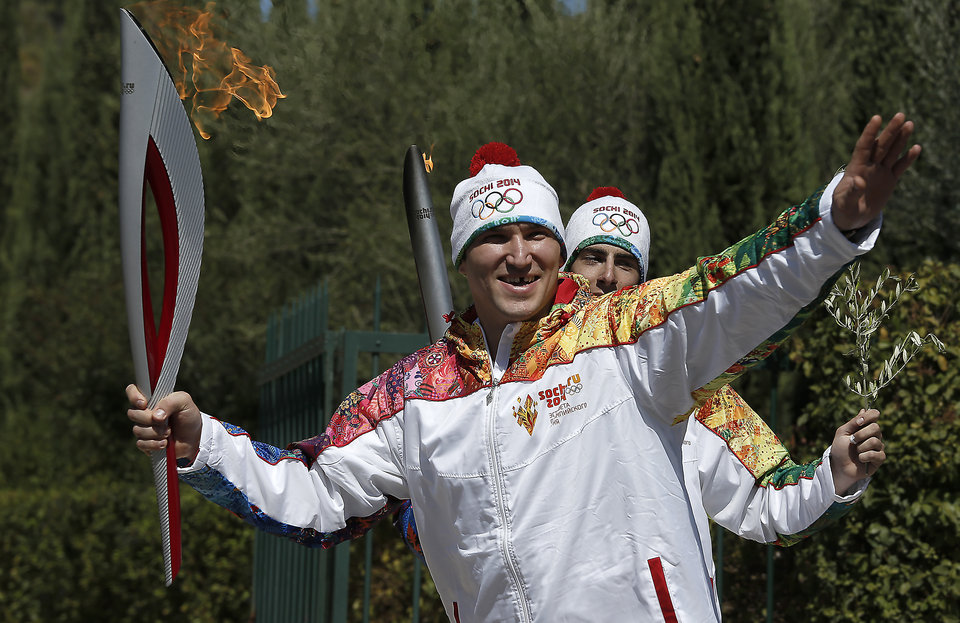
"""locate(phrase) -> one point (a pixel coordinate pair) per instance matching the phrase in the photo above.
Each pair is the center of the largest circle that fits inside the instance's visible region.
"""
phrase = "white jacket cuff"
(853, 495)
(865, 237)
(206, 446)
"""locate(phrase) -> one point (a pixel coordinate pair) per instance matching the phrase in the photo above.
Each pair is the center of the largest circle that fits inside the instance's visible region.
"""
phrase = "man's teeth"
(519, 281)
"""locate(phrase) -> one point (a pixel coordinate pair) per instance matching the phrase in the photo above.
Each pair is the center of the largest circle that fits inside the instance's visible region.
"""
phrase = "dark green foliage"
(894, 558)
(933, 196)
(712, 117)
(87, 551)
(9, 60)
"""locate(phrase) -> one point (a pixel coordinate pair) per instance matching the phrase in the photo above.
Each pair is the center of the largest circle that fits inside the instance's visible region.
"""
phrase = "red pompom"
(493, 153)
(605, 191)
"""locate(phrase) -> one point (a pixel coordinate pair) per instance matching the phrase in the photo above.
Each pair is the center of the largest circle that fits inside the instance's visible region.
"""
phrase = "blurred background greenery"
(711, 116)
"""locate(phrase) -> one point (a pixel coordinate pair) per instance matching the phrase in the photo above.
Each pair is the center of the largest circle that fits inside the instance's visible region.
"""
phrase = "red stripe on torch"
(157, 337)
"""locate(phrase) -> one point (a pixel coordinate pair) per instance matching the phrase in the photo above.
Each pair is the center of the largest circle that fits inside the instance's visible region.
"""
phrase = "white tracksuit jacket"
(738, 473)
(548, 485)
(741, 476)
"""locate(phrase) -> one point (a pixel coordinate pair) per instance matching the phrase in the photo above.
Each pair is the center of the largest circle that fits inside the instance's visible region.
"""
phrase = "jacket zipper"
(498, 487)
(497, 370)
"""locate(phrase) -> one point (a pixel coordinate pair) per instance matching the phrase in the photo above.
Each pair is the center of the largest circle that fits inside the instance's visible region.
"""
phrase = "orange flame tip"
(428, 160)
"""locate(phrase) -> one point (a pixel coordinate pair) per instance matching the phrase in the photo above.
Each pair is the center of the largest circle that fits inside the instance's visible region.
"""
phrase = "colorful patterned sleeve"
(320, 491)
(698, 329)
(213, 485)
(748, 482)
(406, 524)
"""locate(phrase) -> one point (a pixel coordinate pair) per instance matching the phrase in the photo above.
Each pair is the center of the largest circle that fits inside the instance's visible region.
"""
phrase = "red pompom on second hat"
(605, 191)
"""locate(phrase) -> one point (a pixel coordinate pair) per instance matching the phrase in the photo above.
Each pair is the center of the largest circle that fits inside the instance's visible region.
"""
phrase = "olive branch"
(857, 312)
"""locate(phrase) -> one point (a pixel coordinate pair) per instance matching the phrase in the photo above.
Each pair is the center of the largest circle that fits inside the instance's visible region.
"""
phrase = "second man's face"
(512, 273)
(608, 267)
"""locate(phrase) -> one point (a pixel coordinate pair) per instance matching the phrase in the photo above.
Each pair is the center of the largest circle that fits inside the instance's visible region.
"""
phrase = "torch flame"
(205, 69)
(428, 160)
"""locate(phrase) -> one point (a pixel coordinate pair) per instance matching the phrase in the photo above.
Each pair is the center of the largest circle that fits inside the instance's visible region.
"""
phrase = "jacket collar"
(573, 293)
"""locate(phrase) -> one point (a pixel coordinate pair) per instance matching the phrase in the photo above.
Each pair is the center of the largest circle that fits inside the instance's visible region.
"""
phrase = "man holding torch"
(454, 427)
(736, 470)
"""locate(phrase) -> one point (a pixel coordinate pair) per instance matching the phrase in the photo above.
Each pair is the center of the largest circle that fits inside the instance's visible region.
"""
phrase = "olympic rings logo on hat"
(493, 202)
(610, 222)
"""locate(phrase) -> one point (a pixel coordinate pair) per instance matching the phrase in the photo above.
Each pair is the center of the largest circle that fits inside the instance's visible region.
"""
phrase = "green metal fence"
(298, 393)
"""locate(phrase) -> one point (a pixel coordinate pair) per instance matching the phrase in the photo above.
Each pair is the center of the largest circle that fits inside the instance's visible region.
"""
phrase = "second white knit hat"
(608, 218)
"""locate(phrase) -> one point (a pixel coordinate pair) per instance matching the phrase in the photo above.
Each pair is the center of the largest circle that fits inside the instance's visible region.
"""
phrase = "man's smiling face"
(512, 273)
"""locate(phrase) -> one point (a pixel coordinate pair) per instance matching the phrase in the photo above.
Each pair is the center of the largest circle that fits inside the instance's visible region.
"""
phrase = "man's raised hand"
(876, 164)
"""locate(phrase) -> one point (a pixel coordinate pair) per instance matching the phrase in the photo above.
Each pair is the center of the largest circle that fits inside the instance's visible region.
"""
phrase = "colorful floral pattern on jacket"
(753, 442)
(747, 436)
(458, 364)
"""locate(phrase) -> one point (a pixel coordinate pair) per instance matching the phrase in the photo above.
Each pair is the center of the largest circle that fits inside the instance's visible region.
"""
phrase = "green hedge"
(91, 552)
(895, 557)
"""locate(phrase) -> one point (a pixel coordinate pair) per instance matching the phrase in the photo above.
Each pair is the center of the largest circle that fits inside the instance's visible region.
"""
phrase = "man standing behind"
(455, 427)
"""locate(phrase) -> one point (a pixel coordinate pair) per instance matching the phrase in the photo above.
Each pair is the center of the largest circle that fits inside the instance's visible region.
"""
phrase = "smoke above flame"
(206, 71)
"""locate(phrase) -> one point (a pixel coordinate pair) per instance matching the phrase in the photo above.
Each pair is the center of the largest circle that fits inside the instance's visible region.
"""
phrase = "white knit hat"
(608, 218)
(500, 191)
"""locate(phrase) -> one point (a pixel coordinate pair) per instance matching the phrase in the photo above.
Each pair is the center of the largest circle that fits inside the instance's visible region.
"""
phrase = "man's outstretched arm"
(718, 312)
(315, 499)
(751, 486)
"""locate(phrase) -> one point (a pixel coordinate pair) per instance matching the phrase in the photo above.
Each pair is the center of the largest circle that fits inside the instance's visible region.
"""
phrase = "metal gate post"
(298, 395)
(288, 578)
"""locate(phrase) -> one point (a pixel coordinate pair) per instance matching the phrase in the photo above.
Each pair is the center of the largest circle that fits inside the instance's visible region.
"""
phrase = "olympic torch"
(427, 250)
(158, 149)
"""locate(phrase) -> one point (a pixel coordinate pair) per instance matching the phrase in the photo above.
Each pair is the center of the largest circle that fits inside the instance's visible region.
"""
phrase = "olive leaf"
(862, 314)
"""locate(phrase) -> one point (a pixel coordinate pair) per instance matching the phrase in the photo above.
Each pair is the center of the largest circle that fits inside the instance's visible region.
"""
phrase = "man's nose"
(518, 251)
(608, 275)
